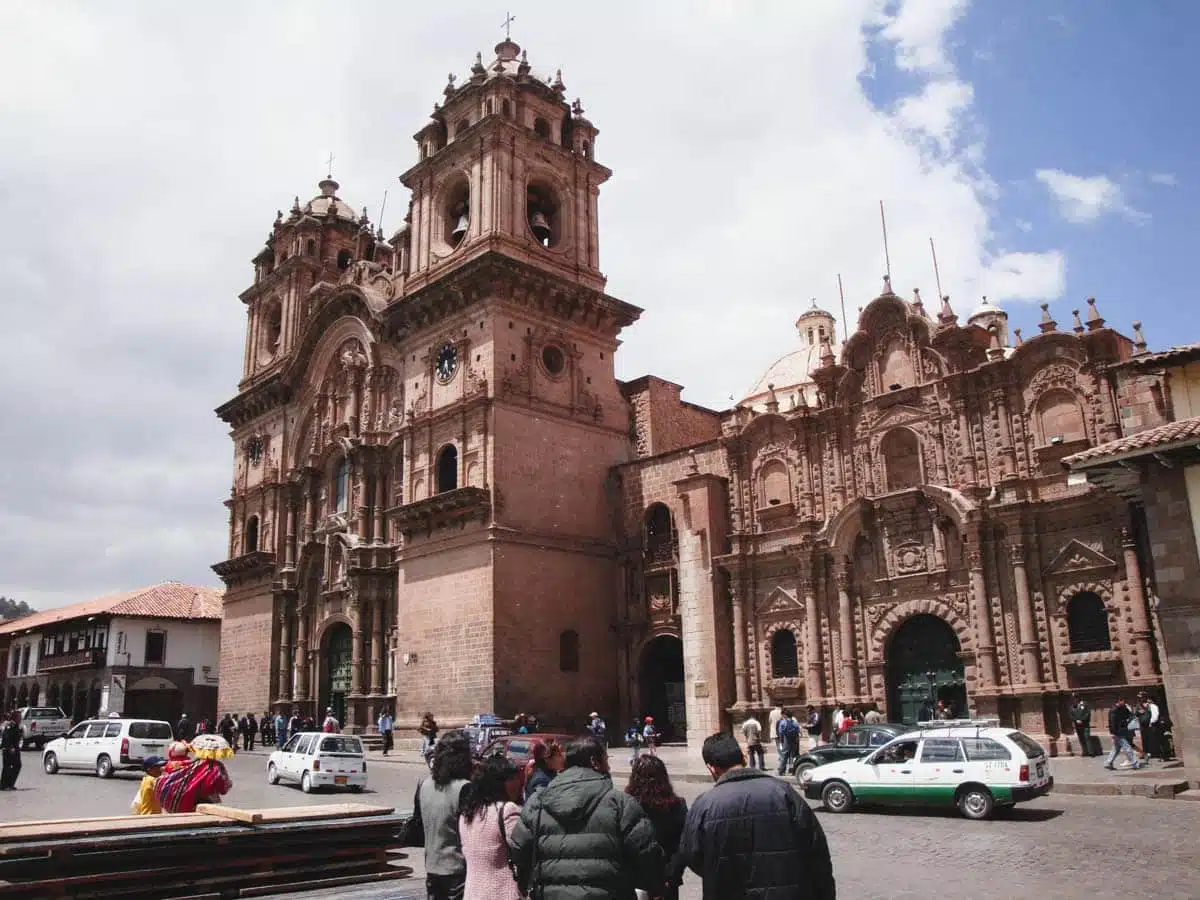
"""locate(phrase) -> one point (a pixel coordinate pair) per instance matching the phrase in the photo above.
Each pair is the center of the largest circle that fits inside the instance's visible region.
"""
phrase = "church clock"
(447, 362)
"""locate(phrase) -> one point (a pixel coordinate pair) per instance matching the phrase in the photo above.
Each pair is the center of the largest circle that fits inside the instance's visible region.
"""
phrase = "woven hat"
(211, 746)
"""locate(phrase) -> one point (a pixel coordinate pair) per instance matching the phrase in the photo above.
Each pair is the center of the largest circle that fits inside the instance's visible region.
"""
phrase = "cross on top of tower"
(507, 26)
(329, 165)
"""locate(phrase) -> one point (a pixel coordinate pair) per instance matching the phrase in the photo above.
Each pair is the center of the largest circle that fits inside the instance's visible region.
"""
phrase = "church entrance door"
(660, 686)
(336, 683)
(922, 668)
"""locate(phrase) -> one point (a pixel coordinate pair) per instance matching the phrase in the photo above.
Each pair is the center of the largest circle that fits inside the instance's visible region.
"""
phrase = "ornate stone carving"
(1076, 556)
(1053, 375)
(779, 601)
(910, 558)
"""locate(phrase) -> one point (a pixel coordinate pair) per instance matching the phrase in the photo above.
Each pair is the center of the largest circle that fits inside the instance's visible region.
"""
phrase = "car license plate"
(340, 779)
(1041, 769)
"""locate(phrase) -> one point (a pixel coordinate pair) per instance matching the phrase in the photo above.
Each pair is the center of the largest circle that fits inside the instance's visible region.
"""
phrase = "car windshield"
(1028, 745)
(150, 730)
(341, 745)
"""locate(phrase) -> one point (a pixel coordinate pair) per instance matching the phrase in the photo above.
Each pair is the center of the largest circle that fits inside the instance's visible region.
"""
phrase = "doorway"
(923, 668)
(660, 686)
(336, 684)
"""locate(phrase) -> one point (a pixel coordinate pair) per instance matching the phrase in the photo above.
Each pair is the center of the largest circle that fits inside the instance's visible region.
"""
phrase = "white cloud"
(145, 156)
(1024, 225)
(1083, 199)
(1166, 179)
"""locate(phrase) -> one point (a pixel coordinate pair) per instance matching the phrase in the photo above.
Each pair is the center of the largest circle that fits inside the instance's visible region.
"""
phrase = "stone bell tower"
(512, 417)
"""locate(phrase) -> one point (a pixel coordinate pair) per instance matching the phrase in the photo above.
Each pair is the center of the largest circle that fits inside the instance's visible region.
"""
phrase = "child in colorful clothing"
(146, 803)
(203, 780)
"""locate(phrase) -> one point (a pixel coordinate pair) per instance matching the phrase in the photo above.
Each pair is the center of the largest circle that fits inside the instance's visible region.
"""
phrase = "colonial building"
(443, 498)
(153, 652)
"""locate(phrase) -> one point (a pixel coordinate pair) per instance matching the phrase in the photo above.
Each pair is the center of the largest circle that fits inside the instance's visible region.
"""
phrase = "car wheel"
(104, 766)
(306, 783)
(804, 767)
(356, 788)
(50, 764)
(272, 774)
(976, 803)
(837, 797)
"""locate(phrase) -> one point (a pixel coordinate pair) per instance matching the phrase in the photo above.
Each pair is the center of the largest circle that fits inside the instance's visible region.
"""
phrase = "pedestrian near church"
(186, 729)
(752, 732)
(580, 838)
(1081, 717)
(428, 729)
(281, 730)
(385, 729)
(331, 725)
(547, 761)
(789, 742)
(753, 836)
(650, 785)
(437, 803)
(812, 725)
(10, 750)
(488, 817)
(598, 728)
(1119, 718)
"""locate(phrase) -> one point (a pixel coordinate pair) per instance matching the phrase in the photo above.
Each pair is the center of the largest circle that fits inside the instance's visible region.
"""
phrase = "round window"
(553, 359)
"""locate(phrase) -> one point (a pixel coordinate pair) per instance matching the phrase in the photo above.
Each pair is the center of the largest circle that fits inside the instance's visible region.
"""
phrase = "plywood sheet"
(65, 828)
(293, 813)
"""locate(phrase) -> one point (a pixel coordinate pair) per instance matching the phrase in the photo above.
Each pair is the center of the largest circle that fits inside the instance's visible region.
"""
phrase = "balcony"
(93, 658)
(661, 554)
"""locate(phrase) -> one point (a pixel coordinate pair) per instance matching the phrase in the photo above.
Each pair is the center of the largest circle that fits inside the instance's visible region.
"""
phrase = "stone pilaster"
(1142, 669)
(1025, 620)
(981, 613)
(741, 671)
(848, 688)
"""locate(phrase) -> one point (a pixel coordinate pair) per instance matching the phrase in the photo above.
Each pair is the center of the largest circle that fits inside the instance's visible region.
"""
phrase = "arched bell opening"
(542, 214)
(456, 213)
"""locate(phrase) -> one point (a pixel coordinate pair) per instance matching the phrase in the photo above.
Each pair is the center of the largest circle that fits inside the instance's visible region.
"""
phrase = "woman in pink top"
(487, 819)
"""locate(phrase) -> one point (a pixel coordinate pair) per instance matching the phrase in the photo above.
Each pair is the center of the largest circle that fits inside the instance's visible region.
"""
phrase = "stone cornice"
(254, 401)
(456, 507)
(249, 565)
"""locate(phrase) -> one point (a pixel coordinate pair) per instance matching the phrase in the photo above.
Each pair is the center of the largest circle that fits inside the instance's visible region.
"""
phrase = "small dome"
(986, 309)
(319, 205)
(790, 375)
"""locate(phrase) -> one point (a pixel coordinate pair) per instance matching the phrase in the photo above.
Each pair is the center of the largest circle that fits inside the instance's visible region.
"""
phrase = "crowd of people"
(569, 833)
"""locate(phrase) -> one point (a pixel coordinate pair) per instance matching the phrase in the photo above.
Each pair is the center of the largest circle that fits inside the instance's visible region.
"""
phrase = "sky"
(1045, 145)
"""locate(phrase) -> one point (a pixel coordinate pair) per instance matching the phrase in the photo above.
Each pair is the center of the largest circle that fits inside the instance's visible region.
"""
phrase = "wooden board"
(293, 813)
(61, 828)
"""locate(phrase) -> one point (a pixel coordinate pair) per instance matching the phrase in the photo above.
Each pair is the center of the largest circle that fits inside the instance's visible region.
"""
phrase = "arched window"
(774, 485)
(505, 109)
(568, 651)
(542, 129)
(901, 452)
(896, 371)
(1087, 623)
(660, 534)
(587, 150)
(784, 662)
(344, 258)
(447, 469)
(341, 486)
(310, 248)
(251, 537)
(1060, 418)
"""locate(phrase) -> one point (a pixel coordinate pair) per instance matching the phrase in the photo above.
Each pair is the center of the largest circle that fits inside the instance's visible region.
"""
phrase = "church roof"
(170, 600)
(319, 205)
(986, 308)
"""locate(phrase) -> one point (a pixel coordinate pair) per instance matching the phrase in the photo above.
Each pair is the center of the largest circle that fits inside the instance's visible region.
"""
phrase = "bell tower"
(506, 165)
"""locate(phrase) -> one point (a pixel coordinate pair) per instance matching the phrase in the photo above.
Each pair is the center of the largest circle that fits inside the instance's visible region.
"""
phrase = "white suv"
(106, 745)
(975, 766)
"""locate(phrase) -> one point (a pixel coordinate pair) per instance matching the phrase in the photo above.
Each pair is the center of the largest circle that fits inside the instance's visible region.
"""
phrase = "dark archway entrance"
(660, 686)
(336, 669)
(922, 668)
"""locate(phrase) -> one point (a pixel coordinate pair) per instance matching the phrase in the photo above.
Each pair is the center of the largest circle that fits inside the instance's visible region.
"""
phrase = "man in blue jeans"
(1118, 727)
(789, 741)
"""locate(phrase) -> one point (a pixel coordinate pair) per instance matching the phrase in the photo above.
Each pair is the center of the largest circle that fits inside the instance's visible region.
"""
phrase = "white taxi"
(974, 765)
(315, 760)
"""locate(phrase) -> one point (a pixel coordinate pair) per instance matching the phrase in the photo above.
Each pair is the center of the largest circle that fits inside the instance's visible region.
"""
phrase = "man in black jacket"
(752, 836)
(1118, 728)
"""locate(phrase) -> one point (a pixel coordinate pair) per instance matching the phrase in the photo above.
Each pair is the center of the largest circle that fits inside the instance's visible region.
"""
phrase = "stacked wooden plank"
(218, 851)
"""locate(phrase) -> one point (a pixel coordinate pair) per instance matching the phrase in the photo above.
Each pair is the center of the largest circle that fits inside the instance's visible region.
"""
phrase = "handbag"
(512, 865)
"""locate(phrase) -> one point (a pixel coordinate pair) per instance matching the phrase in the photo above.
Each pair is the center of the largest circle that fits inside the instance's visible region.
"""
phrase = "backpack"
(788, 729)
(633, 737)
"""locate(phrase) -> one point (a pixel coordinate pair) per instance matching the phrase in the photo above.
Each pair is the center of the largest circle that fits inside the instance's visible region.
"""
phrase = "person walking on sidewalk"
(752, 732)
(385, 729)
(1118, 727)
(752, 836)
(437, 803)
(1081, 715)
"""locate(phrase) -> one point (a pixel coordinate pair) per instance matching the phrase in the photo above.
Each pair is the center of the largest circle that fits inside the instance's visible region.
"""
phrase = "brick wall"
(540, 593)
(445, 617)
(1171, 523)
(662, 421)
(248, 645)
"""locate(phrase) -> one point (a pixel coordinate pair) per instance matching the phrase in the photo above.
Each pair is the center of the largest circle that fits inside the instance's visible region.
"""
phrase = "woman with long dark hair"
(650, 785)
(488, 817)
(436, 805)
(548, 760)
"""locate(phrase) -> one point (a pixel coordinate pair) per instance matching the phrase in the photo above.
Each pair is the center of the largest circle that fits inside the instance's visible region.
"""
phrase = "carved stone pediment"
(901, 414)
(1076, 556)
(779, 600)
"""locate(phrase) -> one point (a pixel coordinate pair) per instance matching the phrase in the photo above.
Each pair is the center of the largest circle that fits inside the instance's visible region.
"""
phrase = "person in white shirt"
(839, 715)
(385, 729)
(752, 732)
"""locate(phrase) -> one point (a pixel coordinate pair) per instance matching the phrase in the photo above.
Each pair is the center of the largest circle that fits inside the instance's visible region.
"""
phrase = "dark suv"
(850, 744)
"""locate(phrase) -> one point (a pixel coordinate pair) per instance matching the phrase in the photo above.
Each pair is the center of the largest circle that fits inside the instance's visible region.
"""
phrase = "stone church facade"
(444, 499)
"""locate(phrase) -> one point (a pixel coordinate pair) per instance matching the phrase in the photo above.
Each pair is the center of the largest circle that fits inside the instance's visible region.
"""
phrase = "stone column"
(289, 544)
(964, 442)
(360, 492)
(741, 671)
(1025, 624)
(285, 654)
(939, 537)
(985, 643)
(356, 647)
(815, 682)
(380, 502)
(1143, 665)
(309, 510)
(300, 654)
(1007, 454)
(377, 646)
(849, 686)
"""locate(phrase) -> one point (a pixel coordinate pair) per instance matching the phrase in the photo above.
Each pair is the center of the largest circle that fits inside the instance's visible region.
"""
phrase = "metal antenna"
(886, 258)
(936, 275)
(842, 294)
(382, 207)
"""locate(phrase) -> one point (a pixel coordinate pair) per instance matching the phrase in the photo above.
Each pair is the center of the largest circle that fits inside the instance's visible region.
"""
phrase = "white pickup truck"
(41, 724)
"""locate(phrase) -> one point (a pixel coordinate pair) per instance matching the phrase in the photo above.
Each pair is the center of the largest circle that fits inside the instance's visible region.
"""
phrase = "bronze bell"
(460, 230)
(540, 227)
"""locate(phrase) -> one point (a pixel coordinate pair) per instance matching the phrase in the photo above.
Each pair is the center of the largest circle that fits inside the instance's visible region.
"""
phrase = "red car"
(519, 748)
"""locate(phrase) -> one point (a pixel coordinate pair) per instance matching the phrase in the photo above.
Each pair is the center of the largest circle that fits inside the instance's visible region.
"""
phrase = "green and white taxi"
(975, 765)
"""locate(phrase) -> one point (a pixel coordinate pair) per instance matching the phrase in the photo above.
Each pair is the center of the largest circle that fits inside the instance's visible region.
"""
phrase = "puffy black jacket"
(754, 837)
(1118, 720)
(592, 841)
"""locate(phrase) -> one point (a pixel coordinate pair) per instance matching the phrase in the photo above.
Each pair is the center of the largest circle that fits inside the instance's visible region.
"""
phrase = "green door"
(923, 668)
(338, 668)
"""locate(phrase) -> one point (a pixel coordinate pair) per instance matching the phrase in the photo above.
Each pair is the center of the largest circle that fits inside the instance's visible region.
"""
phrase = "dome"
(985, 309)
(790, 375)
(510, 62)
(319, 205)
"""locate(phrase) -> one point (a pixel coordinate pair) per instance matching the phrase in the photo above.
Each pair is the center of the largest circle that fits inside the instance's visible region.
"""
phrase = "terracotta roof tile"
(1181, 354)
(1182, 431)
(170, 600)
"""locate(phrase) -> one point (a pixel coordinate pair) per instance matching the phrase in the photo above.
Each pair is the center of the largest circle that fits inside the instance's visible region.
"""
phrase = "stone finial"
(1017, 335)
(295, 206)
(826, 354)
(577, 108)
(887, 285)
(1078, 327)
(278, 218)
(995, 351)
(947, 316)
(1139, 340)
(772, 400)
(478, 72)
(1095, 321)
(523, 67)
(558, 82)
(917, 305)
(1047, 324)
(362, 220)
(449, 89)
(693, 466)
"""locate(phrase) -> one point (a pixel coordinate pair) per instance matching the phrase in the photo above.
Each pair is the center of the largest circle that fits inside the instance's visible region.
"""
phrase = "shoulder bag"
(512, 865)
